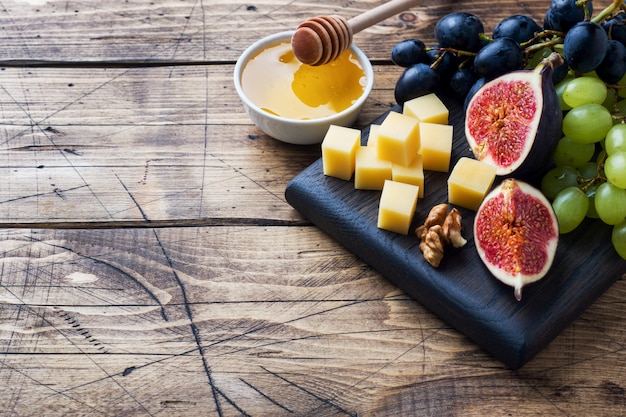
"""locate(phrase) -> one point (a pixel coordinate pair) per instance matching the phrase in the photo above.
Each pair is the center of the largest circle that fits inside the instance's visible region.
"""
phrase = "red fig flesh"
(514, 121)
(516, 234)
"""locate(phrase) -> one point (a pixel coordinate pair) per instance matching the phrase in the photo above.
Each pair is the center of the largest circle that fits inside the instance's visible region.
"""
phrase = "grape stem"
(443, 51)
(599, 178)
(543, 36)
(599, 18)
(546, 44)
(457, 52)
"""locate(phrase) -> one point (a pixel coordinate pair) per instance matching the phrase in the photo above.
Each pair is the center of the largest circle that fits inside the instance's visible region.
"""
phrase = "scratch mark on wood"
(143, 214)
(115, 268)
(83, 332)
(72, 151)
(59, 193)
(35, 124)
(128, 370)
(312, 394)
(267, 397)
(70, 319)
(194, 329)
(56, 191)
(67, 317)
(144, 179)
(177, 404)
(40, 383)
(273, 325)
(52, 130)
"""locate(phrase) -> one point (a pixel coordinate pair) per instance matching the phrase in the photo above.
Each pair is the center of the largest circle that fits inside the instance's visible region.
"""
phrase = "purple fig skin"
(549, 128)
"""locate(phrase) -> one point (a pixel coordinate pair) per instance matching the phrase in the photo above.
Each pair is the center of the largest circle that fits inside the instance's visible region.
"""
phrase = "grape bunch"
(589, 175)
(465, 57)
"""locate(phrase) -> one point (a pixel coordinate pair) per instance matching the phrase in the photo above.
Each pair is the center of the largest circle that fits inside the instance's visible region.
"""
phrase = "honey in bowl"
(280, 84)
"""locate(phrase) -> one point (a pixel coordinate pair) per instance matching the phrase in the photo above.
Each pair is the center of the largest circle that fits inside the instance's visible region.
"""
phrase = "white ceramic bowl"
(300, 132)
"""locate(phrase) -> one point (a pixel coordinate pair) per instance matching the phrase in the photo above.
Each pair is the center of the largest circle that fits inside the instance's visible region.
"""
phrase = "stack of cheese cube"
(395, 157)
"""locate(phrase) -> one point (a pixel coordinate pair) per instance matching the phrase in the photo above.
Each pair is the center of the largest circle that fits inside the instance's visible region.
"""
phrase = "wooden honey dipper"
(321, 39)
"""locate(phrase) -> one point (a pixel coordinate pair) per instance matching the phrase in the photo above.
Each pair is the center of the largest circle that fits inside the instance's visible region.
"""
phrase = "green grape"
(620, 107)
(610, 203)
(618, 239)
(615, 169)
(588, 171)
(622, 91)
(584, 90)
(588, 123)
(559, 92)
(573, 154)
(615, 140)
(557, 179)
(537, 57)
(570, 207)
(611, 99)
(600, 158)
(591, 195)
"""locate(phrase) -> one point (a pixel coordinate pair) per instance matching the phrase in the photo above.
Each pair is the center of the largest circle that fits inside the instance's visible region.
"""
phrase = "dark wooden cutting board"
(462, 291)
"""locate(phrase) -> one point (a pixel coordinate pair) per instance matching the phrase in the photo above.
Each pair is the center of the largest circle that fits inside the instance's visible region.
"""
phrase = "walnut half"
(440, 229)
(452, 228)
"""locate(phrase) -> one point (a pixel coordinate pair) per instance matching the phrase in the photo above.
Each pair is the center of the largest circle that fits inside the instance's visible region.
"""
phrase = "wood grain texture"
(192, 31)
(138, 317)
(140, 145)
(152, 266)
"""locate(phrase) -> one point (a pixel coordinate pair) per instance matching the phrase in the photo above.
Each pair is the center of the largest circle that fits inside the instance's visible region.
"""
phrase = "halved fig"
(514, 121)
(516, 234)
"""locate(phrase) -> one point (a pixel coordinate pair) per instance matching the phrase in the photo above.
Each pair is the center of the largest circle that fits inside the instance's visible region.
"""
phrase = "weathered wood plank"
(205, 319)
(142, 144)
(194, 31)
(74, 181)
(32, 99)
(129, 119)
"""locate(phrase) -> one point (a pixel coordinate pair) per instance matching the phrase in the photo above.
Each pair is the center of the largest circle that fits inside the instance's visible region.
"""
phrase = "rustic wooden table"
(151, 265)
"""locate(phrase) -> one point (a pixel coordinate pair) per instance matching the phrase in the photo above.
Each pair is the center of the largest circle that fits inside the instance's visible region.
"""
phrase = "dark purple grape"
(562, 15)
(584, 46)
(408, 52)
(498, 57)
(431, 54)
(417, 80)
(616, 28)
(446, 62)
(559, 73)
(462, 81)
(613, 66)
(520, 28)
(477, 84)
(459, 31)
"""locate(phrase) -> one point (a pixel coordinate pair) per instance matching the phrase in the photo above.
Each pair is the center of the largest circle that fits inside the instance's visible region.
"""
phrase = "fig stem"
(551, 61)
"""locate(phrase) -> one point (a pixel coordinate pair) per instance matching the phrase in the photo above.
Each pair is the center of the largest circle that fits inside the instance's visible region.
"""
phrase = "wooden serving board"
(462, 291)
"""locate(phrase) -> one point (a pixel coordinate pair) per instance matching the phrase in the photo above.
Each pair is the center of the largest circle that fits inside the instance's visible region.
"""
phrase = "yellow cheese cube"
(436, 146)
(398, 138)
(469, 182)
(339, 151)
(412, 174)
(372, 138)
(370, 172)
(428, 108)
(397, 206)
